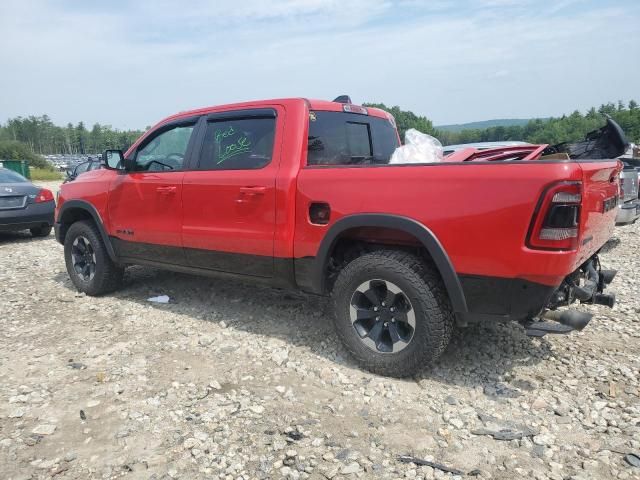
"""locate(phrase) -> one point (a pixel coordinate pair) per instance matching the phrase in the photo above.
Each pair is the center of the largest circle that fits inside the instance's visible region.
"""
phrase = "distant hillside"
(500, 122)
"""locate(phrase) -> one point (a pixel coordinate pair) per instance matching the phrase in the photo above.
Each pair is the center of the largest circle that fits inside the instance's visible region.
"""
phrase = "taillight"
(44, 195)
(556, 221)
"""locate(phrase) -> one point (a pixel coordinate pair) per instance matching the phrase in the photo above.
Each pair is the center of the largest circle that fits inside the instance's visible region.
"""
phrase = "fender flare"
(423, 234)
(71, 205)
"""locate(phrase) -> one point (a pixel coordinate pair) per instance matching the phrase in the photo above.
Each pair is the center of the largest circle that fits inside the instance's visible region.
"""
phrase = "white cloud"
(493, 58)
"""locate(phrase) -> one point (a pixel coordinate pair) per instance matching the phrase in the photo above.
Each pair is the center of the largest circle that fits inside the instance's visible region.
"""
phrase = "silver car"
(481, 146)
(629, 208)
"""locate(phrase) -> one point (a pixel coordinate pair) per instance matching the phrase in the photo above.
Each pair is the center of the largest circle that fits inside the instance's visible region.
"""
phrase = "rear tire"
(392, 312)
(88, 264)
(43, 231)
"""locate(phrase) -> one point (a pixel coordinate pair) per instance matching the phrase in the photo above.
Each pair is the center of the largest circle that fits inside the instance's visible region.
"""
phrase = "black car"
(24, 206)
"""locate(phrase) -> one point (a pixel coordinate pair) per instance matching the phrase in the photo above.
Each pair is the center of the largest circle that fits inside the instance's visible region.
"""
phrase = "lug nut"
(392, 309)
(375, 309)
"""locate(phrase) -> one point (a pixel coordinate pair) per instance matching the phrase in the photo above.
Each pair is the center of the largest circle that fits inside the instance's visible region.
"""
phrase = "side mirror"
(113, 159)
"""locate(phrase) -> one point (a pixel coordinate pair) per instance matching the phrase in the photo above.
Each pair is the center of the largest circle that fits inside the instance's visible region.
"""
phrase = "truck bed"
(480, 212)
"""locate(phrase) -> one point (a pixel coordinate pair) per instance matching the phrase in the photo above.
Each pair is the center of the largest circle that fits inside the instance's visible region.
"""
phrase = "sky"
(130, 63)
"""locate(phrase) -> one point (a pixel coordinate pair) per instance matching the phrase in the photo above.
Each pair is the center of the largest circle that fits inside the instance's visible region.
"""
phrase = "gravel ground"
(236, 381)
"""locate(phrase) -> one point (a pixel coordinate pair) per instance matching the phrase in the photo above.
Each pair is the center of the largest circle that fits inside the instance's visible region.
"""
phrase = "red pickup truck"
(300, 194)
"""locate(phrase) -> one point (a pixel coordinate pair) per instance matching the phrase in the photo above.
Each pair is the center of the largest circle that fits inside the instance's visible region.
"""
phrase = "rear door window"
(337, 138)
(238, 144)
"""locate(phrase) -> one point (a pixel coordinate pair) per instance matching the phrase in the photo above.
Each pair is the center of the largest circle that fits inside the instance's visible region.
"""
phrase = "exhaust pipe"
(586, 292)
(608, 276)
(608, 300)
(571, 318)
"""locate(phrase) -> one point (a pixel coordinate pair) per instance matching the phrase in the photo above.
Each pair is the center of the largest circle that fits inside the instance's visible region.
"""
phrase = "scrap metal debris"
(633, 459)
(76, 365)
(505, 434)
(422, 462)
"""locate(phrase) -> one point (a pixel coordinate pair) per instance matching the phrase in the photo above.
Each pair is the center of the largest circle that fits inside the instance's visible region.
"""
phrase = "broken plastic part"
(159, 299)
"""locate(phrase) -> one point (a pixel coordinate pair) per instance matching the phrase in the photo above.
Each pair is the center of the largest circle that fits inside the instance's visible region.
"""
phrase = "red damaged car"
(300, 194)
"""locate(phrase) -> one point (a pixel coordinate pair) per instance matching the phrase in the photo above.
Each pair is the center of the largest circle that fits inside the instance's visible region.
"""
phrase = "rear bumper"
(490, 298)
(494, 298)
(628, 212)
(33, 216)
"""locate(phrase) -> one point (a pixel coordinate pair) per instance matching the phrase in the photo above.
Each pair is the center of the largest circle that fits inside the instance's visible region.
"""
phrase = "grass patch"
(45, 174)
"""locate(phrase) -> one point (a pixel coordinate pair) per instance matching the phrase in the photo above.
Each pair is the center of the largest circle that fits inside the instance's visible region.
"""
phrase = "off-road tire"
(422, 285)
(108, 275)
(44, 231)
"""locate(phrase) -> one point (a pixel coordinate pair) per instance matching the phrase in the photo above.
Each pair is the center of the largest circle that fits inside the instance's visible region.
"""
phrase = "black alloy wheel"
(382, 316)
(83, 258)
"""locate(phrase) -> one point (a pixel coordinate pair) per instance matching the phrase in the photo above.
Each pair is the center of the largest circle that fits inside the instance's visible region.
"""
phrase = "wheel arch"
(77, 210)
(426, 237)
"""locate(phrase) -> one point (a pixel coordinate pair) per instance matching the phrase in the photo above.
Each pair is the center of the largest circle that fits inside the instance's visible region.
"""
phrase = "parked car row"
(64, 163)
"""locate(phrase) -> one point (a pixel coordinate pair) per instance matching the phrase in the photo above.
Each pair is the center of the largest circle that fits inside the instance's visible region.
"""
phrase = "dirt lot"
(236, 381)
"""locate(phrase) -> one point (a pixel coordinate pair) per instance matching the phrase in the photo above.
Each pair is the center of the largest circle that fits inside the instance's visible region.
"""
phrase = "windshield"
(9, 176)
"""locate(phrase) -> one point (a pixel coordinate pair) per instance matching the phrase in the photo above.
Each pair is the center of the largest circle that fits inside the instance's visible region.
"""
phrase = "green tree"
(16, 150)
(405, 119)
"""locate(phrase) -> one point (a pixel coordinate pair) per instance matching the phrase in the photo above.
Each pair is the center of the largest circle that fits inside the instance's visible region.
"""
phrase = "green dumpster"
(20, 166)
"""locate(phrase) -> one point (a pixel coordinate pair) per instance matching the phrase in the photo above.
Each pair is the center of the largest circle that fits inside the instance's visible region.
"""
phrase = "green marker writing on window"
(242, 145)
(222, 134)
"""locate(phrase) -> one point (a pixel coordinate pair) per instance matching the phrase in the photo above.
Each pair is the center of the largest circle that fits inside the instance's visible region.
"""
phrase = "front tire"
(88, 264)
(392, 312)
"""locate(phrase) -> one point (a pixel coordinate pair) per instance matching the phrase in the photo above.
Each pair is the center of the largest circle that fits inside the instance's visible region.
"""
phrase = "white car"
(449, 149)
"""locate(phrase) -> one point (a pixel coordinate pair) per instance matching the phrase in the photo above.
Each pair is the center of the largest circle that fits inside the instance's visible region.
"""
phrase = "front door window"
(165, 152)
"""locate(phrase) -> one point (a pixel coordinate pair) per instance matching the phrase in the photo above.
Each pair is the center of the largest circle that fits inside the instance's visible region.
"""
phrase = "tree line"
(43, 137)
(567, 128)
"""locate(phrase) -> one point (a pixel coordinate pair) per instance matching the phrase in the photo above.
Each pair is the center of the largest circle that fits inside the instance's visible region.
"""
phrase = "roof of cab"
(313, 105)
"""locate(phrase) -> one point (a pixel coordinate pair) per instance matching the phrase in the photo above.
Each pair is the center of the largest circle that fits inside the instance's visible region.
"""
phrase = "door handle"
(253, 190)
(166, 190)
(250, 192)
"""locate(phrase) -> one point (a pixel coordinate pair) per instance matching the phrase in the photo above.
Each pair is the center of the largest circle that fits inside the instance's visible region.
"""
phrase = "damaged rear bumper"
(491, 299)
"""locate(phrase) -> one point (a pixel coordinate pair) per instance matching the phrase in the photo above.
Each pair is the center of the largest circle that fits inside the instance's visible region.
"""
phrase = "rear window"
(8, 176)
(337, 138)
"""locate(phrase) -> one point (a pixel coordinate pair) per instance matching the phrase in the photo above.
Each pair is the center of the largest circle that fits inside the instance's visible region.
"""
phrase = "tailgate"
(600, 180)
